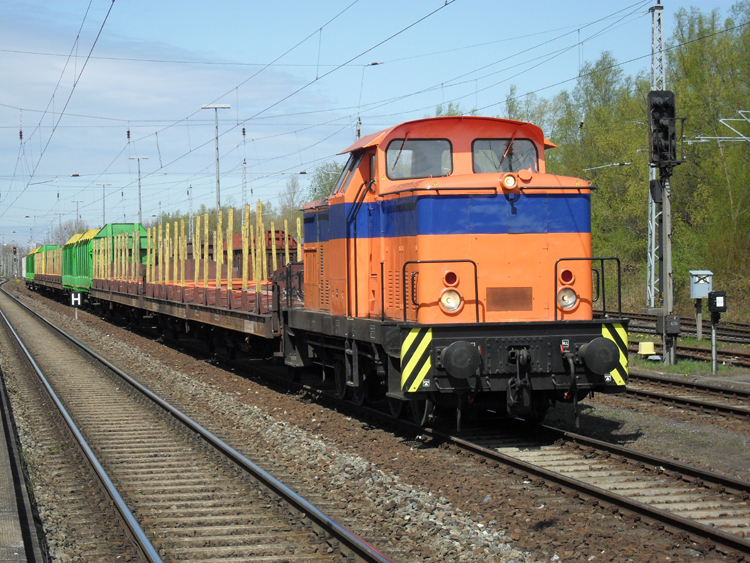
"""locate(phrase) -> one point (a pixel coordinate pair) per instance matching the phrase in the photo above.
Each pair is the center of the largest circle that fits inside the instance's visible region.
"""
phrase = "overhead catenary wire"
(67, 101)
(371, 109)
(613, 66)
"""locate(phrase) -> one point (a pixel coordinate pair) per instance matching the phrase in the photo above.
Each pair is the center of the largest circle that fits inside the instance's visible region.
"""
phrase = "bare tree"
(290, 203)
(62, 233)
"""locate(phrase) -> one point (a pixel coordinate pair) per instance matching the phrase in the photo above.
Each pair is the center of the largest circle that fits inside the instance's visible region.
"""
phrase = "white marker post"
(75, 301)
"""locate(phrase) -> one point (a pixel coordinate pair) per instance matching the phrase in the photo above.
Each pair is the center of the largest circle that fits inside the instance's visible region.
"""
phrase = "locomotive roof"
(374, 139)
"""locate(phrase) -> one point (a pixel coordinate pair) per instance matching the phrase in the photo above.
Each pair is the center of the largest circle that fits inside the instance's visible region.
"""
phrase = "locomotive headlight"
(450, 300)
(566, 298)
(509, 181)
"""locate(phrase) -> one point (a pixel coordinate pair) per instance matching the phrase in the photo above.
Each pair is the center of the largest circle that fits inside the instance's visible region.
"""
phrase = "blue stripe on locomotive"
(454, 215)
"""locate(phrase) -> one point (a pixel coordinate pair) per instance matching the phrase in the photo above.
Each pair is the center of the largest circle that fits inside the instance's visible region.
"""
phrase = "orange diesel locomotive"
(449, 269)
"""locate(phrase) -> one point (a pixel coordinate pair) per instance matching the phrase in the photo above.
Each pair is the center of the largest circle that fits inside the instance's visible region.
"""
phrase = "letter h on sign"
(75, 299)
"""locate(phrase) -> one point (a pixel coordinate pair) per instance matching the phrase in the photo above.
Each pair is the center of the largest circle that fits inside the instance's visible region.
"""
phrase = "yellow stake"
(299, 241)
(183, 252)
(160, 257)
(175, 255)
(205, 250)
(273, 246)
(286, 242)
(196, 253)
(218, 249)
(230, 255)
(148, 255)
(245, 229)
(252, 250)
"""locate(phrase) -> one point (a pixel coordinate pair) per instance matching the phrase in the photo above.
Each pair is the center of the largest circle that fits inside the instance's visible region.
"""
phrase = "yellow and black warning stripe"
(617, 334)
(416, 362)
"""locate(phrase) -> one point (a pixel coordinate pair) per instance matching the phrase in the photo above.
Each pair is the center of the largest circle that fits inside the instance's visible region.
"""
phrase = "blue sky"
(294, 72)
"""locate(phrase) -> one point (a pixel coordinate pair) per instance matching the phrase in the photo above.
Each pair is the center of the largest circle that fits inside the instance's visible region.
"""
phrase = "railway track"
(689, 502)
(732, 357)
(181, 492)
(713, 399)
(725, 332)
(684, 499)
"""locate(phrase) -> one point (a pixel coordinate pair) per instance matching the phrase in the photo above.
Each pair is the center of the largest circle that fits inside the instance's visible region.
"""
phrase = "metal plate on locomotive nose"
(617, 334)
(416, 360)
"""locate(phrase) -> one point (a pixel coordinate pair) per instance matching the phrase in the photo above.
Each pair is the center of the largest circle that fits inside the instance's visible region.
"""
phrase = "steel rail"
(708, 387)
(726, 331)
(687, 401)
(734, 357)
(673, 520)
(696, 403)
(31, 534)
(349, 541)
(142, 542)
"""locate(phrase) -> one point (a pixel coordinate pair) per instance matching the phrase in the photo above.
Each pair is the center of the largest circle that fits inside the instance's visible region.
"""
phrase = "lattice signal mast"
(658, 82)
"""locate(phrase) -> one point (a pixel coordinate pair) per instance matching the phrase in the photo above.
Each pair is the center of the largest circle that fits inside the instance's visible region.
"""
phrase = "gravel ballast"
(413, 501)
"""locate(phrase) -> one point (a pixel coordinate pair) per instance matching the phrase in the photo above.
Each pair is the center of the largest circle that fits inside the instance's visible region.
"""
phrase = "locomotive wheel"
(539, 408)
(397, 407)
(339, 376)
(421, 411)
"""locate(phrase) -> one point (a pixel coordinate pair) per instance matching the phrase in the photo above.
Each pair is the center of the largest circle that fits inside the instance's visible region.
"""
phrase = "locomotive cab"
(453, 269)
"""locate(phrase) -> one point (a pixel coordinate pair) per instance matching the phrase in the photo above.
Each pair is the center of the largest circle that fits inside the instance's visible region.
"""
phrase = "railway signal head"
(717, 301)
(14, 250)
(662, 128)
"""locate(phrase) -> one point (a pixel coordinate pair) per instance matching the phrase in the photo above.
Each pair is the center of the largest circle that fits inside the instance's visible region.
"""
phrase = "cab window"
(418, 158)
(346, 174)
(504, 155)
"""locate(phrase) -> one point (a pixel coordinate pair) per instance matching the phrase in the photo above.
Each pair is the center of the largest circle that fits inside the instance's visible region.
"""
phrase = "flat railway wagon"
(447, 269)
(44, 265)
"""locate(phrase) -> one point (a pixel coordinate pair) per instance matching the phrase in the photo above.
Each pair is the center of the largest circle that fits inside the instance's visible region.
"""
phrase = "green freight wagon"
(81, 272)
(30, 260)
(68, 271)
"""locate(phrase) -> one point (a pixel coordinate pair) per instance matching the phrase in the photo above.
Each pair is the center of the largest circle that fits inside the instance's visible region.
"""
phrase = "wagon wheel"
(339, 376)
(422, 411)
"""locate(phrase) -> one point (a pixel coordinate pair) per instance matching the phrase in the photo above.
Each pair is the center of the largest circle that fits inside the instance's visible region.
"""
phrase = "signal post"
(662, 126)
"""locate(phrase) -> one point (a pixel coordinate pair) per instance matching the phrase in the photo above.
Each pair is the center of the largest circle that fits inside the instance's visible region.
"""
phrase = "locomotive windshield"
(418, 158)
(504, 155)
(346, 174)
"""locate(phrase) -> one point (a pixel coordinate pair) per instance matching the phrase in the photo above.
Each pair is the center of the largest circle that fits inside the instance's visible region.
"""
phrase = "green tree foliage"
(709, 71)
(324, 180)
(451, 109)
(603, 121)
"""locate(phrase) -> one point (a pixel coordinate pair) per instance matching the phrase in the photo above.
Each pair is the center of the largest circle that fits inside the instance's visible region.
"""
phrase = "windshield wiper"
(406, 138)
(513, 138)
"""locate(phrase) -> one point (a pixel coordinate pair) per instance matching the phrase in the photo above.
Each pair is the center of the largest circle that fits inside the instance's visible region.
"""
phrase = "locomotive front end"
(452, 270)
(498, 284)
